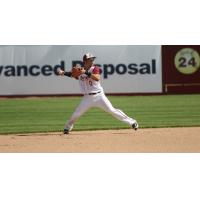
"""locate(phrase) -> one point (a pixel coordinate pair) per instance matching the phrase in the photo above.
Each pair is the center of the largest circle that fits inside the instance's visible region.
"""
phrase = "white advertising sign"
(31, 70)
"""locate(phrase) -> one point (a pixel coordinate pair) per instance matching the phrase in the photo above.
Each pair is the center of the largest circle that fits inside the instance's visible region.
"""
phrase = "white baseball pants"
(100, 101)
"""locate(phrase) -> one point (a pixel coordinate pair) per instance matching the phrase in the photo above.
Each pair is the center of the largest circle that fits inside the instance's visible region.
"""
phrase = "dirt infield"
(143, 140)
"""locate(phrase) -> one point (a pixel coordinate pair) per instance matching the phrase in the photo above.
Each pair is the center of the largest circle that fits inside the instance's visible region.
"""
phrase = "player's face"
(89, 62)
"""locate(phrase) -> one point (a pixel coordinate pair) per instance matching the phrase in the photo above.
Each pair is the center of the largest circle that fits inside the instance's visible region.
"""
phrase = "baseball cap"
(88, 55)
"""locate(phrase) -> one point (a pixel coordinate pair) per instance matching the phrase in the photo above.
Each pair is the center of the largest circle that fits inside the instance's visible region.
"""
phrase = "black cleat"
(66, 131)
(135, 126)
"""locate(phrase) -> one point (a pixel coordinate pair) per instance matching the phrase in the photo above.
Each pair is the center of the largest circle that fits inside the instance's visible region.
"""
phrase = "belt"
(94, 93)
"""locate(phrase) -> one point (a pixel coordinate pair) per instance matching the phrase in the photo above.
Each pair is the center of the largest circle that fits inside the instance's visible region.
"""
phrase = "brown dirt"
(144, 140)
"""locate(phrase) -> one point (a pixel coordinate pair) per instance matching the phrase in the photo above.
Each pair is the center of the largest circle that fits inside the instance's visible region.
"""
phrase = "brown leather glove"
(77, 71)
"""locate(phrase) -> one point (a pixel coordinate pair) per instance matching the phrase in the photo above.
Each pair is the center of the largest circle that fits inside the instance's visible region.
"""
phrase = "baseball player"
(89, 81)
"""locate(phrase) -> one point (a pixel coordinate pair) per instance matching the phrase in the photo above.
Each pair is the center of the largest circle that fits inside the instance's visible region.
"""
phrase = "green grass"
(50, 114)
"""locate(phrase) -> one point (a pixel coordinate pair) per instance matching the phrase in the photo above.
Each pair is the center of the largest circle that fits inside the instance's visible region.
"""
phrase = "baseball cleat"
(66, 131)
(135, 126)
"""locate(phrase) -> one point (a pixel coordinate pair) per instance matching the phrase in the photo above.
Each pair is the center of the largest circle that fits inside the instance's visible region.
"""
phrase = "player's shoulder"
(96, 69)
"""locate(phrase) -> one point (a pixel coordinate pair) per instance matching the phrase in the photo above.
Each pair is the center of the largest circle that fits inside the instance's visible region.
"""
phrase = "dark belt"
(94, 93)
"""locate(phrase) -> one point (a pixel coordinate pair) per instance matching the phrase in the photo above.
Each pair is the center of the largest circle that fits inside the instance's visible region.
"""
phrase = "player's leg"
(106, 105)
(84, 105)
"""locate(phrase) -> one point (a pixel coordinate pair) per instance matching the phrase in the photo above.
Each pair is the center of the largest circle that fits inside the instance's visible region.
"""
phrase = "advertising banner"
(31, 70)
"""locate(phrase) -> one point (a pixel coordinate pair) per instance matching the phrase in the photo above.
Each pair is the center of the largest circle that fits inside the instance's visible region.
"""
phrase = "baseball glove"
(77, 71)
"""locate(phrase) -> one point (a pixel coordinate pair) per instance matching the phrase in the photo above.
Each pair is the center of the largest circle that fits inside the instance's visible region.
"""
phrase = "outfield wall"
(181, 69)
(30, 70)
(126, 69)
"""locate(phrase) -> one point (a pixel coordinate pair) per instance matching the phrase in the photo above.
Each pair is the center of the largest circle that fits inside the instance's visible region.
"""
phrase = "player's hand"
(60, 72)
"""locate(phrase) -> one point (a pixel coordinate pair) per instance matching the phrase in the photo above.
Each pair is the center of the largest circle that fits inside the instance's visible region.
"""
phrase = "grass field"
(50, 114)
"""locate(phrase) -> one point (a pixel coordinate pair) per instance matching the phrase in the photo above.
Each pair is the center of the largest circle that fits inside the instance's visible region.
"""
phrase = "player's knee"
(112, 110)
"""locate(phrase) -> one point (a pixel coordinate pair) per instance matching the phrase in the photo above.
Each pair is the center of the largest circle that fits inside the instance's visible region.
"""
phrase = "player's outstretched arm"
(60, 72)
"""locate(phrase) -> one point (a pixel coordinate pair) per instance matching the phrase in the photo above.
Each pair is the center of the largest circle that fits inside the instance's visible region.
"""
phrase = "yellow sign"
(187, 61)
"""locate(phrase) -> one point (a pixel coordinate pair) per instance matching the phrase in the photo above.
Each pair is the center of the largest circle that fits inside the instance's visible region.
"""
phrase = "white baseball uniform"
(94, 97)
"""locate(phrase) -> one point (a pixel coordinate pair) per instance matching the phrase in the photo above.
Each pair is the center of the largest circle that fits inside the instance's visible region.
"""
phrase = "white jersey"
(88, 85)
